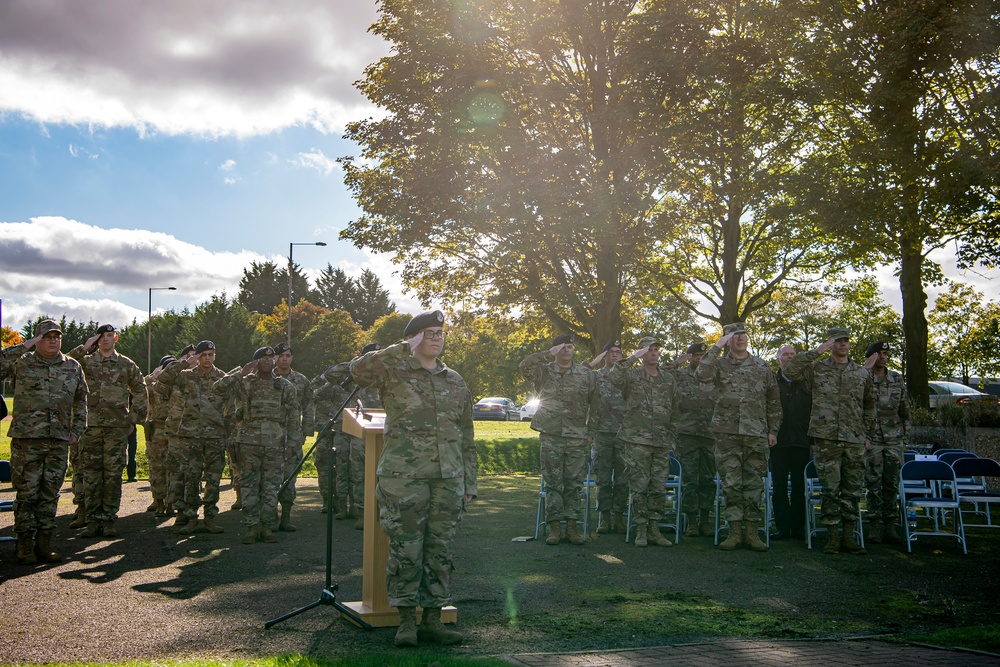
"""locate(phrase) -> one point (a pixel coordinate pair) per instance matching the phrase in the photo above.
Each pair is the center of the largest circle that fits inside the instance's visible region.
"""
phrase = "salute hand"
(415, 341)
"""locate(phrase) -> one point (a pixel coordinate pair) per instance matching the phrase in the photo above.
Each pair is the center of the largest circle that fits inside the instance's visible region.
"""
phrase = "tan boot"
(432, 629)
(285, 523)
(656, 537)
(735, 538)
(80, 518)
(607, 520)
(160, 510)
(342, 511)
(109, 530)
(26, 549)
(874, 533)
(360, 523)
(573, 533)
(168, 509)
(209, 526)
(621, 523)
(179, 523)
(266, 535)
(93, 529)
(238, 505)
(189, 528)
(833, 542)
(752, 539)
(555, 533)
(706, 527)
(406, 634)
(692, 529)
(250, 536)
(43, 548)
(152, 506)
(847, 542)
(640, 535)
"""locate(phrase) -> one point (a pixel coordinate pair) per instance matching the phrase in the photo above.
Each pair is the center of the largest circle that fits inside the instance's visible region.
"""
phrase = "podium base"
(388, 618)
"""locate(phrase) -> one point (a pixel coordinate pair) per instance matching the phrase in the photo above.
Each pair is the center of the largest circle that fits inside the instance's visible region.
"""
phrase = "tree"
(9, 337)
(274, 326)
(386, 330)
(796, 316)
(264, 286)
(330, 340)
(229, 325)
(336, 290)
(73, 333)
(868, 317)
(963, 332)
(371, 300)
(674, 323)
(166, 329)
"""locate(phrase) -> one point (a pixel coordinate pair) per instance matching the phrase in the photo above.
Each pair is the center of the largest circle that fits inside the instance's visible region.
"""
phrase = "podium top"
(358, 424)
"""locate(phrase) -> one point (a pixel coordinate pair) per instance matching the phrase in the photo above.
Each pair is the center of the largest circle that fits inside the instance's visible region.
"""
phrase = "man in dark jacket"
(791, 455)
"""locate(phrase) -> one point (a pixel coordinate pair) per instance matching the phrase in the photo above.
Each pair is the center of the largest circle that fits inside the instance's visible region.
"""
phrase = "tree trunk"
(914, 323)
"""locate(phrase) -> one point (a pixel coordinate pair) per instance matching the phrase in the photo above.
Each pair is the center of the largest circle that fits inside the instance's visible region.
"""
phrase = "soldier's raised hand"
(556, 349)
(826, 346)
(92, 342)
(724, 341)
(598, 359)
(249, 367)
(30, 343)
(870, 361)
(415, 341)
(640, 353)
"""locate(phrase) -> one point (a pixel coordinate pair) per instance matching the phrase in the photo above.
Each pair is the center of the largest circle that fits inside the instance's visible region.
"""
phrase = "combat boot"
(573, 533)
(152, 506)
(189, 528)
(693, 529)
(752, 539)
(847, 542)
(179, 523)
(250, 536)
(640, 535)
(161, 508)
(342, 512)
(209, 526)
(286, 523)
(875, 531)
(656, 537)
(168, 509)
(43, 548)
(360, 523)
(621, 523)
(706, 527)
(26, 549)
(406, 634)
(735, 538)
(432, 629)
(833, 542)
(238, 505)
(891, 533)
(80, 518)
(108, 528)
(607, 520)
(93, 529)
(555, 533)
(266, 535)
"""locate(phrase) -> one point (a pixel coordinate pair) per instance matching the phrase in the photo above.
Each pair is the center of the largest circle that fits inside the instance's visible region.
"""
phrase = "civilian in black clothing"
(791, 455)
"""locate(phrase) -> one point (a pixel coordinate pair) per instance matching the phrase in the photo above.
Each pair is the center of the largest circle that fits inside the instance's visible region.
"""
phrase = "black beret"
(425, 320)
(187, 348)
(614, 343)
(165, 359)
(370, 347)
(263, 352)
(876, 347)
(697, 348)
(281, 348)
(204, 346)
(563, 339)
(105, 328)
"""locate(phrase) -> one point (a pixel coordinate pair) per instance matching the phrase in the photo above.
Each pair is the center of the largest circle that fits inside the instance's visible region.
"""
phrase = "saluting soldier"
(371, 399)
(156, 439)
(609, 450)
(329, 393)
(307, 422)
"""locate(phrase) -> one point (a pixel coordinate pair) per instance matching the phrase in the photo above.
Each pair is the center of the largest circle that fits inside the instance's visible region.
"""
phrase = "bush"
(508, 456)
(979, 415)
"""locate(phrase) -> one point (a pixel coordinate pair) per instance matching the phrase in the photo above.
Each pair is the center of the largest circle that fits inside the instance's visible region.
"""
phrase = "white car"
(955, 393)
(528, 409)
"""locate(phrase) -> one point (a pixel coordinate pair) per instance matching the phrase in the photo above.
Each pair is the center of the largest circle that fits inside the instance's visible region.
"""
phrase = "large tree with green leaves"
(264, 286)
(228, 324)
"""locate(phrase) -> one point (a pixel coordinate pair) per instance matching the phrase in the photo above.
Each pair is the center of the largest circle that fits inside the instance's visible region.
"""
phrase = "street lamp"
(290, 245)
(149, 330)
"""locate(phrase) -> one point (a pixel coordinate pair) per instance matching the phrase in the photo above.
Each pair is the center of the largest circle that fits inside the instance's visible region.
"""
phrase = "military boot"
(656, 537)
(432, 629)
(93, 529)
(179, 523)
(26, 549)
(161, 508)
(640, 535)
(360, 523)
(152, 506)
(847, 542)
(168, 509)
(250, 536)
(874, 533)
(573, 533)
(80, 518)
(607, 520)
(752, 539)
(108, 528)
(238, 505)
(706, 527)
(892, 535)
(209, 526)
(189, 528)
(406, 634)
(286, 523)
(342, 511)
(833, 542)
(735, 538)
(693, 529)
(555, 533)
(43, 548)
(266, 535)
(621, 523)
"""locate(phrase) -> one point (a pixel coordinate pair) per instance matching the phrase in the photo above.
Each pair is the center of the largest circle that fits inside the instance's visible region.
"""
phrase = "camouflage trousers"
(156, 454)
(102, 457)
(420, 517)
(564, 467)
(233, 457)
(325, 458)
(293, 457)
(840, 468)
(648, 468)
(76, 482)
(260, 477)
(697, 457)
(358, 474)
(200, 460)
(882, 466)
(609, 468)
(343, 472)
(38, 468)
(742, 463)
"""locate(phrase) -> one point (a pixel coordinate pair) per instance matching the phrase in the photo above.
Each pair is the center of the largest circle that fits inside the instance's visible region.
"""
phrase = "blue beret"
(425, 320)
(881, 346)
(370, 347)
(281, 348)
(187, 348)
(204, 346)
(614, 343)
(263, 352)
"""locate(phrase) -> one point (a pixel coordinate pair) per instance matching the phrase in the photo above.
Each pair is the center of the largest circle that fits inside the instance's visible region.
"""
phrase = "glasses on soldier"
(433, 335)
(52, 336)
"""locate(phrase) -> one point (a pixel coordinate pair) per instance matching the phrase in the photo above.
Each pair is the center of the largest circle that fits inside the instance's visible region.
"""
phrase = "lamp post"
(290, 246)
(149, 330)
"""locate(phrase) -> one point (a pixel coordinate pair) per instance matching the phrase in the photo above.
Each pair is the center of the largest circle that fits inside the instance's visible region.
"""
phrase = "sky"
(173, 143)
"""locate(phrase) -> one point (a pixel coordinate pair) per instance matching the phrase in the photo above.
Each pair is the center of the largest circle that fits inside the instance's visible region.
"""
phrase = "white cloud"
(228, 165)
(227, 67)
(315, 159)
(105, 311)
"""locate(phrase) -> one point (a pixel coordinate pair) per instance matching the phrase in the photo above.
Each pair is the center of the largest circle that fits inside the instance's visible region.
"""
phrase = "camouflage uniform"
(370, 399)
(843, 407)
(50, 408)
(609, 464)
(648, 431)
(566, 396)
(112, 380)
(695, 445)
(156, 440)
(201, 431)
(427, 466)
(747, 410)
(883, 460)
(328, 395)
(173, 456)
(269, 418)
(307, 421)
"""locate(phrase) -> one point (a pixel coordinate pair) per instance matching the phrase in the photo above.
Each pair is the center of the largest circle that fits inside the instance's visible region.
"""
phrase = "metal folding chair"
(935, 474)
(978, 494)
(6, 505)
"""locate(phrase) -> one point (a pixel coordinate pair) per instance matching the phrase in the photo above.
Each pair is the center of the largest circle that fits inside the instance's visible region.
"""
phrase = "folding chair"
(814, 501)
(951, 457)
(585, 495)
(673, 516)
(934, 474)
(909, 455)
(6, 505)
(939, 453)
(978, 493)
(721, 523)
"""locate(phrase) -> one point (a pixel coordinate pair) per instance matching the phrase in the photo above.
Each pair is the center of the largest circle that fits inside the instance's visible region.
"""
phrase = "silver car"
(955, 393)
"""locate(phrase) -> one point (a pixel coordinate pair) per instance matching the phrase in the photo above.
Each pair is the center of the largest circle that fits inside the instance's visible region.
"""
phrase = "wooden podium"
(374, 606)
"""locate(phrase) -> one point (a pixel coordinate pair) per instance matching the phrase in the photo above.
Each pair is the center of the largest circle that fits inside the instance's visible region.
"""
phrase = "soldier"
(883, 460)
(116, 403)
(567, 395)
(609, 466)
(790, 456)
(695, 444)
(173, 456)
(745, 423)
(202, 432)
(371, 399)
(426, 474)
(333, 454)
(648, 431)
(50, 415)
(269, 418)
(156, 439)
(841, 425)
(307, 422)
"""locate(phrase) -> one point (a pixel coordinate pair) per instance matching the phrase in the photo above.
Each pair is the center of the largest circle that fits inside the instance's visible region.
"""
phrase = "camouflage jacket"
(267, 408)
(612, 403)
(306, 402)
(566, 397)
(892, 410)
(329, 395)
(157, 402)
(428, 423)
(203, 411)
(50, 396)
(651, 404)
(843, 397)
(112, 380)
(173, 398)
(695, 402)
(746, 397)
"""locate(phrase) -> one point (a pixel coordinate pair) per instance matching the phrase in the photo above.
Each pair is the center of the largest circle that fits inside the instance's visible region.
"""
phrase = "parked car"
(955, 393)
(497, 408)
(528, 409)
